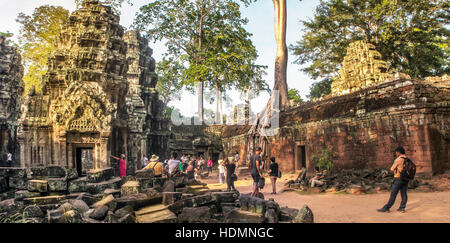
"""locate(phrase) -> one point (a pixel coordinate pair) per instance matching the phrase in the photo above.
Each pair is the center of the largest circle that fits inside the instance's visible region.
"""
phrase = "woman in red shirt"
(122, 165)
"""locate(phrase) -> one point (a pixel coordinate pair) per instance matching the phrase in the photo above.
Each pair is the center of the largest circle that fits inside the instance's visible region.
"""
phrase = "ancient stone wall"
(362, 129)
(11, 90)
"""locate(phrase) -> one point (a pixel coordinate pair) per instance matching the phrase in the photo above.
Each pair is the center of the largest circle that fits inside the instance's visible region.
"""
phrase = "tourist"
(398, 184)
(210, 165)
(190, 171)
(236, 158)
(273, 173)
(144, 161)
(231, 167)
(319, 178)
(122, 165)
(156, 166)
(200, 164)
(9, 160)
(173, 164)
(255, 170)
(221, 171)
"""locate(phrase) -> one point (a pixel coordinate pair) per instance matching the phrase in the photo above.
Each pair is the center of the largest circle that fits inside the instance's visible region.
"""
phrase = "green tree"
(412, 36)
(116, 5)
(320, 89)
(206, 37)
(295, 96)
(37, 36)
(8, 35)
(169, 78)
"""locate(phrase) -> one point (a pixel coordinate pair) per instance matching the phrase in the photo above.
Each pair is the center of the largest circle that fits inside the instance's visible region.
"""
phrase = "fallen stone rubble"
(352, 181)
(143, 198)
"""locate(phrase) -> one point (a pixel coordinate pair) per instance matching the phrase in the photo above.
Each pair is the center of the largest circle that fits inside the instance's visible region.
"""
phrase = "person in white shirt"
(173, 164)
(221, 171)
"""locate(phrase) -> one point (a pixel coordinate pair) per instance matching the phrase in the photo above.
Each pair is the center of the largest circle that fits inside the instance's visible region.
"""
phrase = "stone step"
(37, 186)
(151, 209)
(44, 200)
(130, 188)
(155, 214)
(20, 195)
(99, 175)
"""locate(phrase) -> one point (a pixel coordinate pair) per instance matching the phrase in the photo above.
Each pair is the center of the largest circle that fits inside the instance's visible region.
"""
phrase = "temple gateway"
(98, 98)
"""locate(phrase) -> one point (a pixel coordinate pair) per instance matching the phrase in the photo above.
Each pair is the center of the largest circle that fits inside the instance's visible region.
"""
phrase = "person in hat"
(255, 170)
(155, 165)
(221, 171)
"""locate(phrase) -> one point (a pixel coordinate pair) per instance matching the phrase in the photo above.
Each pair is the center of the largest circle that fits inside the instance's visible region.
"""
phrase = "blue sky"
(261, 25)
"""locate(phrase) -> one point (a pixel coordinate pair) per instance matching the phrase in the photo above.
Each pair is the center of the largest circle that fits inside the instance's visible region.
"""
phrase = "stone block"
(37, 186)
(145, 182)
(305, 215)
(114, 192)
(169, 186)
(33, 211)
(20, 195)
(96, 188)
(195, 215)
(158, 182)
(138, 201)
(18, 183)
(57, 184)
(241, 216)
(171, 197)
(155, 214)
(197, 201)
(99, 212)
(108, 201)
(130, 188)
(99, 175)
(44, 200)
(223, 197)
(78, 185)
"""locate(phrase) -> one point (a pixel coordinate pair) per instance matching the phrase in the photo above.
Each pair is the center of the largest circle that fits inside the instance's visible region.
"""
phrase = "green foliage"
(324, 160)
(205, 37)
(169, 86)
(15, 218)
(8, 35)
(115, 4)
(294, 95)
(38, 34)
(320, 89)
(412, 36)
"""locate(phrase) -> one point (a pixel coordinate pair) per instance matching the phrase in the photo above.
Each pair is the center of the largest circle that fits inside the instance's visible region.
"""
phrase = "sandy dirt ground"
(422, 207)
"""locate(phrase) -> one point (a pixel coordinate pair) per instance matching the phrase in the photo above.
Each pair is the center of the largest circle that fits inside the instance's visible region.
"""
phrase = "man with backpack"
(404, 170)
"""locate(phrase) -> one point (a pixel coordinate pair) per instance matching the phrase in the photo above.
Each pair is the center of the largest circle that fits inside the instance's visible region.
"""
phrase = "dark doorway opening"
(301, 157)
(84, 160)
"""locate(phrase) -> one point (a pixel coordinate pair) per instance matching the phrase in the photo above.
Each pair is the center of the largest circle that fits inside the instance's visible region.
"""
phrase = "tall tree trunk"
(200, 101)
(218, 115)
(282, 53)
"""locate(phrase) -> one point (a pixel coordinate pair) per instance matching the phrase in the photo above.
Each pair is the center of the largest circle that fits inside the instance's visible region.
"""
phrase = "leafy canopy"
(37, 36)
(205, 37)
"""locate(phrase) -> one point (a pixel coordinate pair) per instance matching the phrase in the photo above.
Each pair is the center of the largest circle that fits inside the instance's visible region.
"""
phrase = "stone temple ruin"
(11, 89)
(99, 99)
(363, 127)
(85, 106)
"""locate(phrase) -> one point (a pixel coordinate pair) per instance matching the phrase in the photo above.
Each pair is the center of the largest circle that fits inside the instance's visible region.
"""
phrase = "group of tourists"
(190, 167)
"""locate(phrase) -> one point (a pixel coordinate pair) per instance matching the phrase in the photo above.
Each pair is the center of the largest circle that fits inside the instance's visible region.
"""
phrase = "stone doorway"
(84, 159)
(300, 154)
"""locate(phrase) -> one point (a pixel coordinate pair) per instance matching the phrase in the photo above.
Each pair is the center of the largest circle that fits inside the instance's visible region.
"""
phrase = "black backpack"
(409, 170)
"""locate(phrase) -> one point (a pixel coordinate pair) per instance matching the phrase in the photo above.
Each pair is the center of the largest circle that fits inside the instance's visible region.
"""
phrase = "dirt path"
(423, 207)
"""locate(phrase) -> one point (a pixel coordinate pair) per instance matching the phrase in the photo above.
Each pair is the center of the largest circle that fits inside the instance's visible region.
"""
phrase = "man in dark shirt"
(231, 167)
(255, 170)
